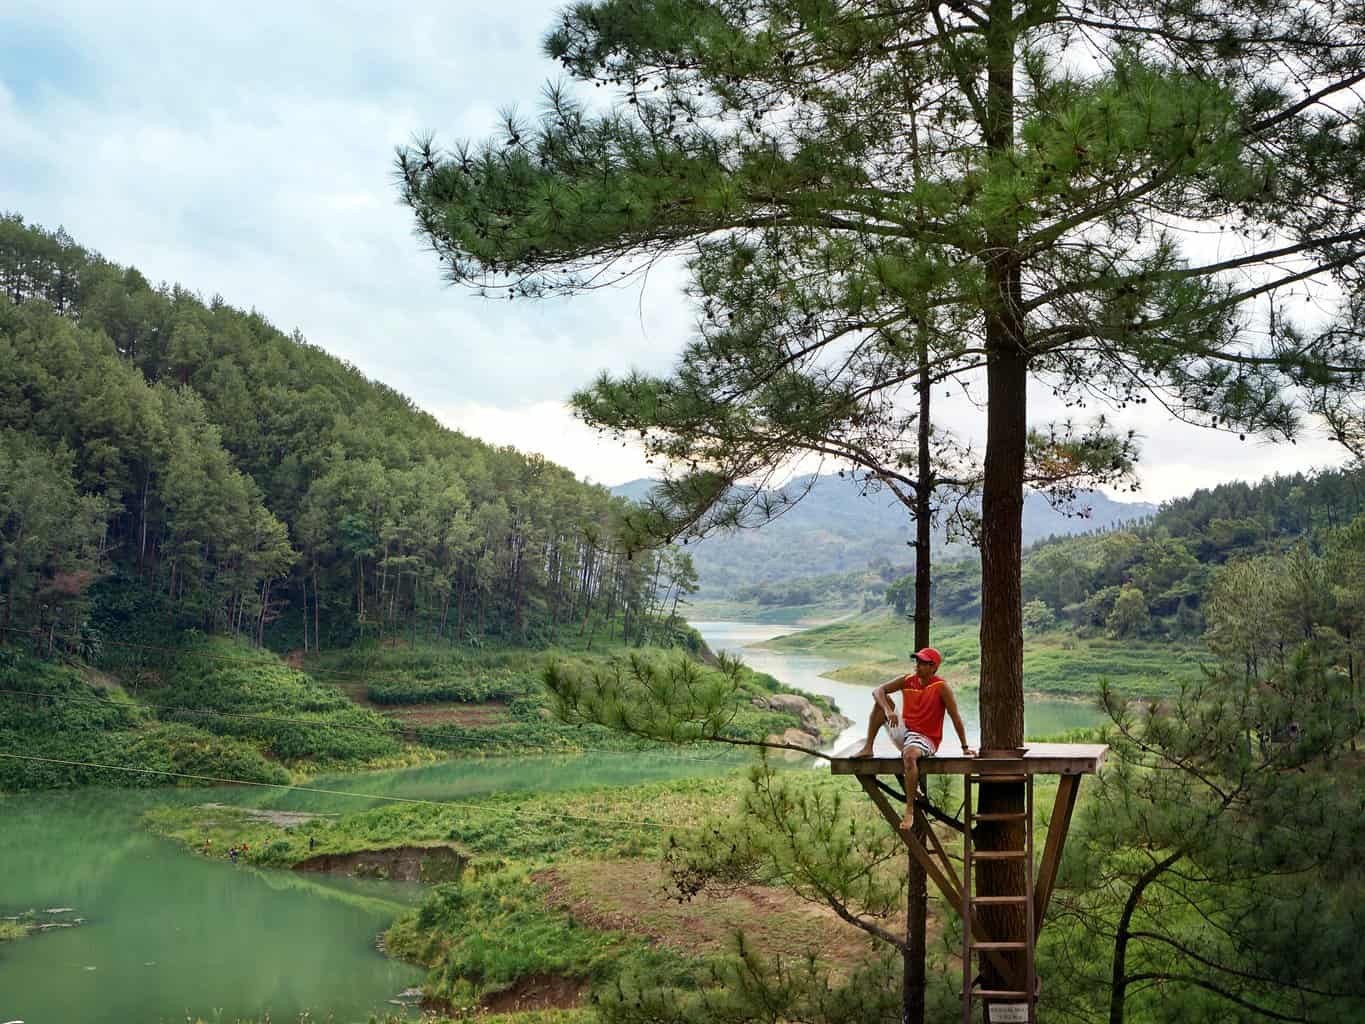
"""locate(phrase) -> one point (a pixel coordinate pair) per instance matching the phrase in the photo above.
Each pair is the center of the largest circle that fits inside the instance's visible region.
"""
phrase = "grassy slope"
(481, 935)
(723, 610)
(75, 721)
(877, 645)
(491, 700)
(223, 709)
(554, 889)
(559, 883)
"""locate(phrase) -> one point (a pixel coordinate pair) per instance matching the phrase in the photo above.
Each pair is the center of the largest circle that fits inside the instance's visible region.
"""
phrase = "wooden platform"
(1040, 759)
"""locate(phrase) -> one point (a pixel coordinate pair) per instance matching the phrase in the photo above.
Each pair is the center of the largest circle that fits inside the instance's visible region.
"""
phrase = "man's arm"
(950, 704)
(881, 696)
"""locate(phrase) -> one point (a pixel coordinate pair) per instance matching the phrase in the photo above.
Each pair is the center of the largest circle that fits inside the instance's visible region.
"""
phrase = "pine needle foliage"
(1123, 200)
(1126, 202)
(1214, 873)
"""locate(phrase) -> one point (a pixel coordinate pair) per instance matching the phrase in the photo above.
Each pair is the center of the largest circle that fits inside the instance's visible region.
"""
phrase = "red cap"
(929, 654)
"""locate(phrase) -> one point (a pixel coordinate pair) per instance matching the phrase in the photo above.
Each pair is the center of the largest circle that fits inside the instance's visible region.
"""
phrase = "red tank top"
(922, 707)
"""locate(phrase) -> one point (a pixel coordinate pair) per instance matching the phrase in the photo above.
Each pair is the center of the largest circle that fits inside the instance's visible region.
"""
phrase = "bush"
(283, 709)
(72, 721)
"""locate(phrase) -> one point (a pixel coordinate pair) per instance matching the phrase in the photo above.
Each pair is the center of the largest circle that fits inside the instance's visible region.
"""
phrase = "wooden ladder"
(971, 945)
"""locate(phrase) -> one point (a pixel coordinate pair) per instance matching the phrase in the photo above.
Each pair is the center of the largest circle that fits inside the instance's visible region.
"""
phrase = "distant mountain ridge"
(834, 529)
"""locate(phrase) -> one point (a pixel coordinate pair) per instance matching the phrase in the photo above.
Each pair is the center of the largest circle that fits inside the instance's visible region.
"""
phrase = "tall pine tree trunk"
(1002, 504)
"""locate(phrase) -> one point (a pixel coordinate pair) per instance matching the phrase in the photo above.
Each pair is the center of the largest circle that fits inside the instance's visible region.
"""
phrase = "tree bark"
(1002, 504)
(917, 889)
(317, 613)
(1118, 988)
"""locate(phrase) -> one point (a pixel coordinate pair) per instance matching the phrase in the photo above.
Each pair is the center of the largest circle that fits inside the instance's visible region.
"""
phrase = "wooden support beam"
(948, 884)
(1040, 759)
(1067, 789)
(938, 849)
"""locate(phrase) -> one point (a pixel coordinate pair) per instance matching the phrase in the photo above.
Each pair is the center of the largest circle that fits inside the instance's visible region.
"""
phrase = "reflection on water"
(1042, 716)
(169, 935)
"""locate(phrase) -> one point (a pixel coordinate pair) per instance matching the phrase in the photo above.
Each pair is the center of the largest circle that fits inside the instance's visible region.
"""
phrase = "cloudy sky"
(250, 154)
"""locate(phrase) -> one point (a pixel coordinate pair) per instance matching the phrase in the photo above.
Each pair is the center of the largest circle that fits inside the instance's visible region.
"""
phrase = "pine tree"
(1074, 156)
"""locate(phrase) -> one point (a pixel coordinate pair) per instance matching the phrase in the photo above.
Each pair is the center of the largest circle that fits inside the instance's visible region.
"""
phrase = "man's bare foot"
(865, 752)
(906, 824)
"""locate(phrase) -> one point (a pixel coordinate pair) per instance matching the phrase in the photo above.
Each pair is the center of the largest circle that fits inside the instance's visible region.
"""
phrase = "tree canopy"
(167, 462)
(1031, 191)
(1028, 186)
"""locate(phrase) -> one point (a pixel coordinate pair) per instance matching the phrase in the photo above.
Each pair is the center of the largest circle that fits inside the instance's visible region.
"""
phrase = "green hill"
(169, 463)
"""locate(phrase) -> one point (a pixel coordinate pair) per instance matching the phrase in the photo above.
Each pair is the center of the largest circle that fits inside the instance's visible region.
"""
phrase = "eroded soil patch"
(473, 716)
(429, 864)
(630, 896)
(536, 992)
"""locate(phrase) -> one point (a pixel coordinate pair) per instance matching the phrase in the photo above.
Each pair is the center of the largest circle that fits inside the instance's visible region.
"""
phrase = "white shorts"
(903, 737)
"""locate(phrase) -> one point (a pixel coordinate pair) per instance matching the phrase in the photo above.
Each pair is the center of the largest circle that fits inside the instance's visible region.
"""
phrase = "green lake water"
(169, 935)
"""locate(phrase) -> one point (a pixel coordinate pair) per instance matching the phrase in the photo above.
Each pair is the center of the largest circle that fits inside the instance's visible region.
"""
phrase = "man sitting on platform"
(919, 730)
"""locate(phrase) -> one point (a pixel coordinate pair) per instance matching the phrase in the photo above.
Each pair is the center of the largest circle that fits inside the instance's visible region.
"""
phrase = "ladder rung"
(998, 854)
(1000, 816)
(993, 777)
(990, 901)
(988, 946)
(999, 993)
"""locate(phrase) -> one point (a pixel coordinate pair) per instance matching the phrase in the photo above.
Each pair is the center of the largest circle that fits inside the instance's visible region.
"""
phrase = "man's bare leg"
(874, 722)
(910, 756)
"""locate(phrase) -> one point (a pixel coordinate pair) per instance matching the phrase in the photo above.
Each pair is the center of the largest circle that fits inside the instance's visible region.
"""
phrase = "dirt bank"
(536, 992)
(430, 864)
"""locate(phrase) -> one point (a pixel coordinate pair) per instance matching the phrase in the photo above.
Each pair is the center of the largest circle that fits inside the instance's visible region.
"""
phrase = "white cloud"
(250, 154)
(550, 429)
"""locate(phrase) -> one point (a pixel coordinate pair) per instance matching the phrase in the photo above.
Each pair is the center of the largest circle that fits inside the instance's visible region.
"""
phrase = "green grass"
(223, 709)
(75, 722)
(725, 610)
(11, 930)
(442, 675)
(286, 712)
(497, 924)
(585, 1015)
(877, 646)
(405, 675)
(480, 937)
(540, 828)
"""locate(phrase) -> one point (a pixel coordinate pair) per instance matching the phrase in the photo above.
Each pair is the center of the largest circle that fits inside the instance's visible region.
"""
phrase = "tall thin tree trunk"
(260, 621)
(142, 530)
(317, 614)
(917, 891)
(459, 610)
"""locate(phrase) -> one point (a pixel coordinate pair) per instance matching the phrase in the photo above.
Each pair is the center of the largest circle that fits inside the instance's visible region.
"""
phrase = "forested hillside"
(840, 530)
(167, 462)
(1156, 578)
(1134, 579)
